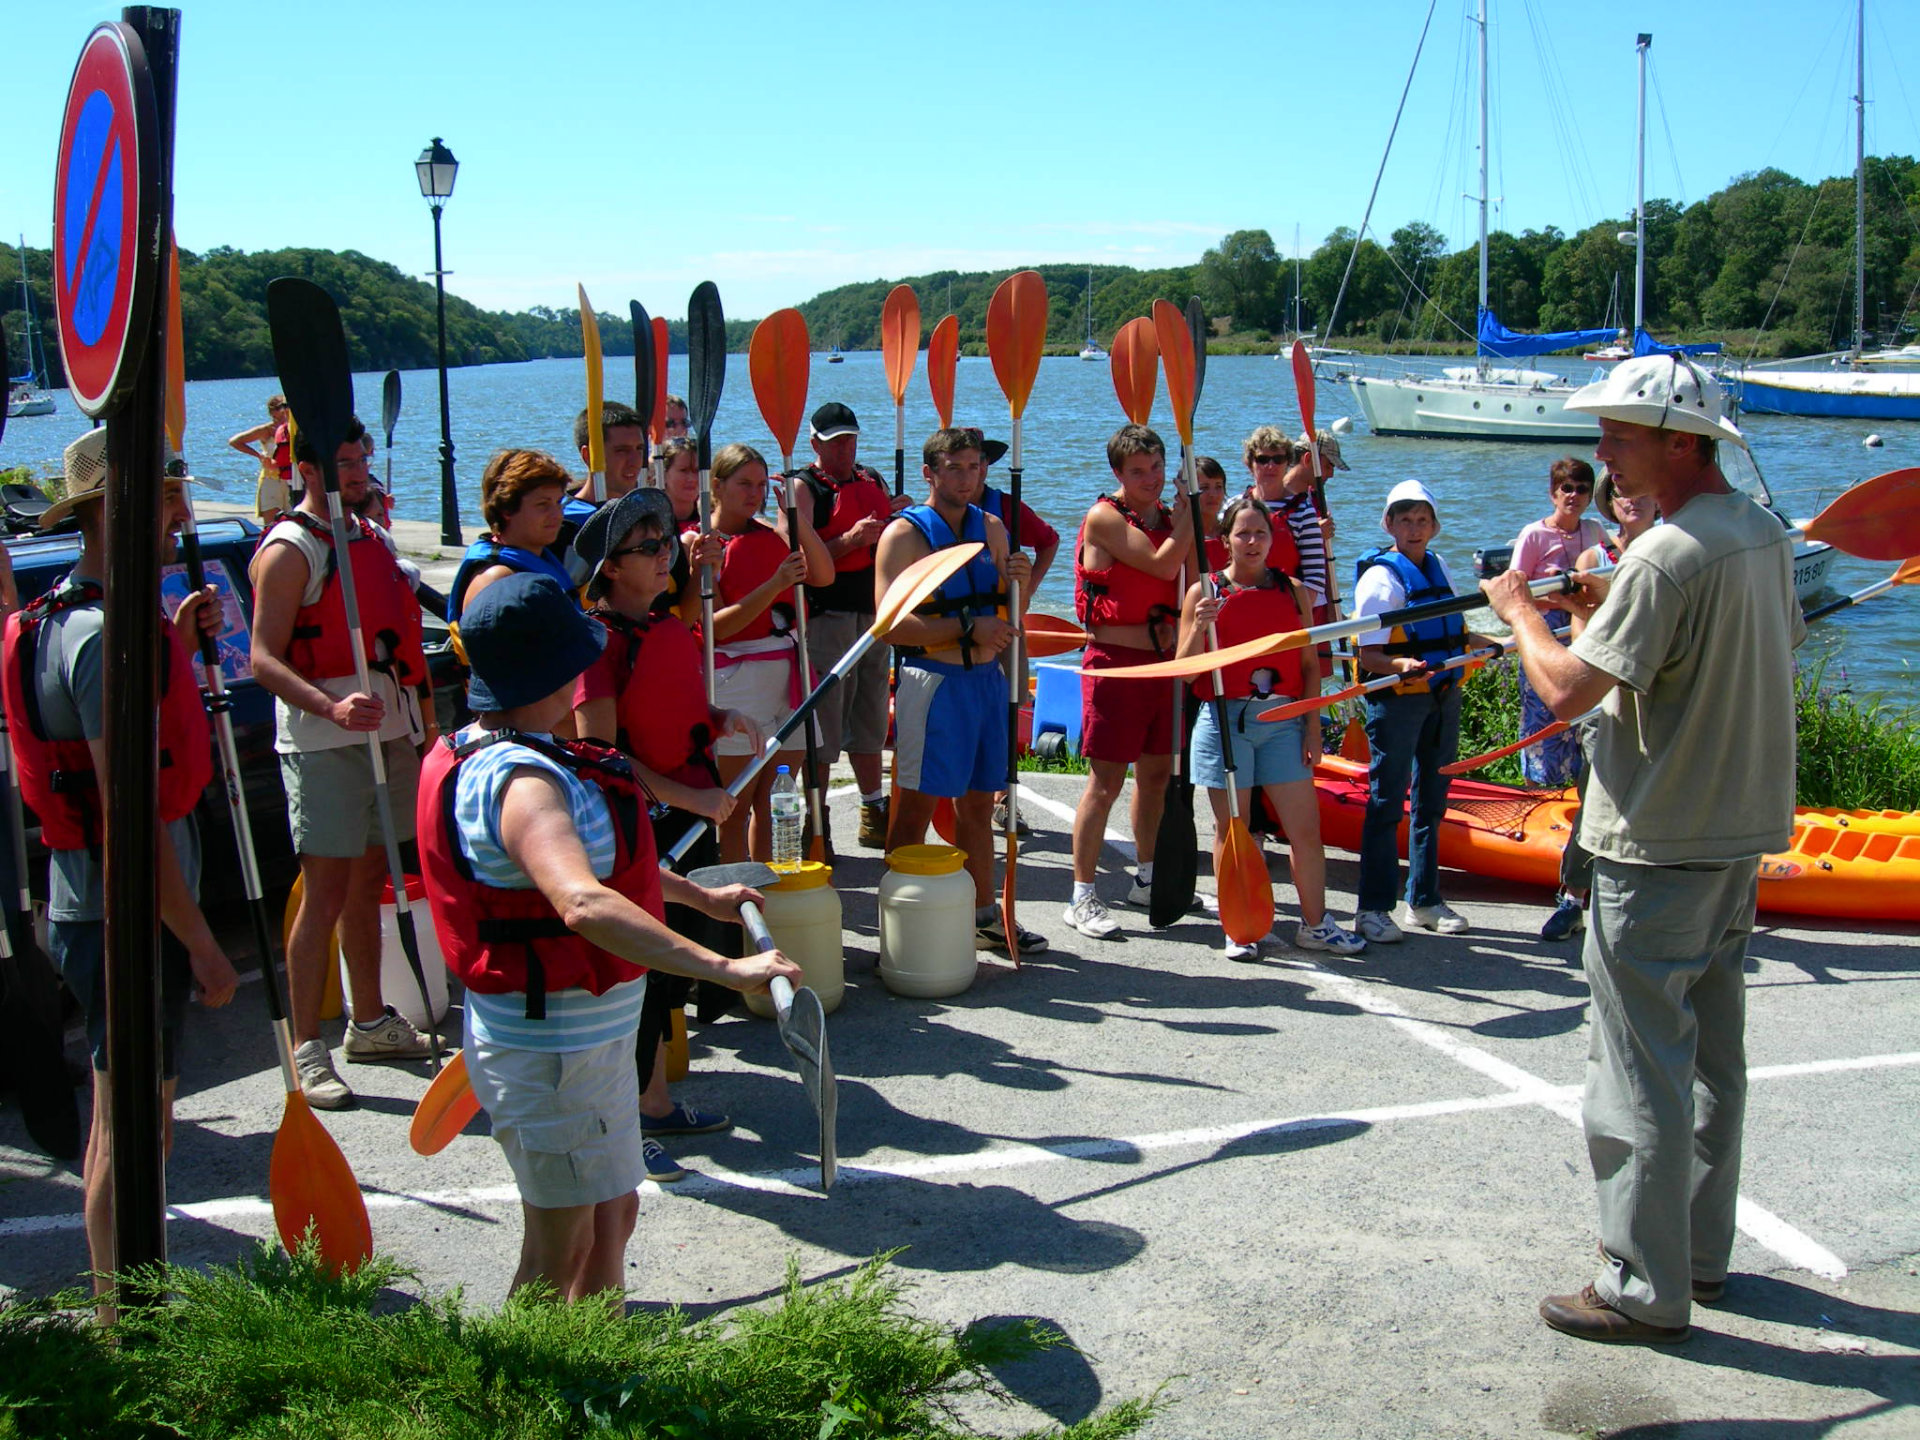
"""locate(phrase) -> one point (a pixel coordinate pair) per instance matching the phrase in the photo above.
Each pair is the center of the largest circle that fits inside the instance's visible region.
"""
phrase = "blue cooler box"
(1056, 702)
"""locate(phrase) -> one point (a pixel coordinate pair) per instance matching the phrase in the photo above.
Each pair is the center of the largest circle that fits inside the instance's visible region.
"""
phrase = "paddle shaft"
(382, 795)
(706, 574)
(1387, 682)
(900, 447)
(1879, 587)
(1545, 732)
(816, 803)
(1220, 701)
(1015, 663)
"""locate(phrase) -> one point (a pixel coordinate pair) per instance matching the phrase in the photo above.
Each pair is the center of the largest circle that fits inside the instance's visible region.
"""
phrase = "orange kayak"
(1841, 863)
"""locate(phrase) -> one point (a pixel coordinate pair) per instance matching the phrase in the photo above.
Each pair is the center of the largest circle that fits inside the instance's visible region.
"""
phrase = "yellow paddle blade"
(918, 582)
(445, 1110)
(176, 357)
(1244, 890)
(311, 1185)
(1186, 667)
(590, 338)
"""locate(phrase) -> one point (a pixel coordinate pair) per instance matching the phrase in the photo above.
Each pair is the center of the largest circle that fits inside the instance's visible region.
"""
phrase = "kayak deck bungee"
(1847, 871)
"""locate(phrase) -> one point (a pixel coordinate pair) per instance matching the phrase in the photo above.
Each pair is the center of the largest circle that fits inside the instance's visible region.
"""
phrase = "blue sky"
(780, 149)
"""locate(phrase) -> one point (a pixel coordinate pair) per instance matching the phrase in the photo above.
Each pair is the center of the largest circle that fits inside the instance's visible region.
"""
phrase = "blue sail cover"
(1496, 339)
(1645, 344)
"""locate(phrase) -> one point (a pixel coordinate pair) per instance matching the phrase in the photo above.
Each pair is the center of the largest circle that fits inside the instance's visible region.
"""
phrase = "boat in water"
(1091, 350)
(28, 393)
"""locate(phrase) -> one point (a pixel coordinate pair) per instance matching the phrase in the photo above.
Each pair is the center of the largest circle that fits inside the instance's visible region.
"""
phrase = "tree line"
(1768, 251)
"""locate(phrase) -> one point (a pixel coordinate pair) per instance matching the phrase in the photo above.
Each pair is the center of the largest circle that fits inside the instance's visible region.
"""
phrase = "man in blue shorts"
(950, 710)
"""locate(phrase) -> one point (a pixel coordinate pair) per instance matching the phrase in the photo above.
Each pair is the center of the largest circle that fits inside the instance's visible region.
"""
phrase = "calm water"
(1486, 492)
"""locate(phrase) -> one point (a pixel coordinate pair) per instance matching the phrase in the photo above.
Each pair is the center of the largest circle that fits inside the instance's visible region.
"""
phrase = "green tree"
(1241, 277)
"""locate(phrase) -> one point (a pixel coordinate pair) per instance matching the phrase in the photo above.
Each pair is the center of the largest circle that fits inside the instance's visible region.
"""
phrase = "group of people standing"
(597, 743)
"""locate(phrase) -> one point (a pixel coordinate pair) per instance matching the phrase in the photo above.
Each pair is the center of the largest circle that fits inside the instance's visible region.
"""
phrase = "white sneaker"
(1090, 918)
(1376, 927)
(1237, 951)
(1140, 893)
(1328, 937)
(392, 1039)
(319, 1081)
(1438, 918)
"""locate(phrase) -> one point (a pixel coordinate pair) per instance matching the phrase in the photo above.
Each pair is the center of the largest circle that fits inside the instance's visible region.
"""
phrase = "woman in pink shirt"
(1551, 547)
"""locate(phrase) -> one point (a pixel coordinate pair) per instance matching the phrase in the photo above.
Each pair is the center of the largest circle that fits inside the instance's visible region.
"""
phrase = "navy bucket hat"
(525, 639)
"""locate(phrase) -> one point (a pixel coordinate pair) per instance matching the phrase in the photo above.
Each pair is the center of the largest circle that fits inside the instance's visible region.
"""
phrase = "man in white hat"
(54, 675)
(1689, 645)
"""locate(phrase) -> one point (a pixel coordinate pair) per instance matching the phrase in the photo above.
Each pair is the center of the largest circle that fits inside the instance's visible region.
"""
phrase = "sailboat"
(1091, 350)
(27, 393)
(1483, 401)
(1854, 384)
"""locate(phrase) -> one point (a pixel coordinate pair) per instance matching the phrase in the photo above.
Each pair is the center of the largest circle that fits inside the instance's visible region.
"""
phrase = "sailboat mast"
(1860, 189)
(1642, 45)
(1484, 187)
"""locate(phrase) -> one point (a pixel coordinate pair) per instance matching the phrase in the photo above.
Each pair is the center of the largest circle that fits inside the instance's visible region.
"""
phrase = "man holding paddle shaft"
(850, 509)
(302, 654)
(54, 684)
(1692, 781)
(950, 712)
(1126, 567)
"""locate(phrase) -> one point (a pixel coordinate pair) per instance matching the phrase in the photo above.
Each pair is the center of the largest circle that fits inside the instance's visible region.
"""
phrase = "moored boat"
(1866, 868)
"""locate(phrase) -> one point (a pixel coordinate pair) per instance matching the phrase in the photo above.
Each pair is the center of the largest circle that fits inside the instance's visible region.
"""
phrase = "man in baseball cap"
(1688, 647)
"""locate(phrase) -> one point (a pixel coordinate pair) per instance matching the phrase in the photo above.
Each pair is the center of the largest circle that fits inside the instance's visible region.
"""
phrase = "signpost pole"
(136, 459)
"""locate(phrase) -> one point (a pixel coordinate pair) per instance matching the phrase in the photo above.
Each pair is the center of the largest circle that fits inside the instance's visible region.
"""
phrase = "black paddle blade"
(390, 404)
(1176, 858)
(643, 380)
(310, 352)
(706, 363)
(1197, 325)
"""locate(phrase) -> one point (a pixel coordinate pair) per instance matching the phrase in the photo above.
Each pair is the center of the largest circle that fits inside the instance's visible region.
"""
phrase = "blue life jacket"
(487, 552)
(975, 589)
(1431, 640)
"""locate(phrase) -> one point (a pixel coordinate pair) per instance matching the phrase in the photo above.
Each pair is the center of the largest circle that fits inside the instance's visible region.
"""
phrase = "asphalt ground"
(1307, 1195)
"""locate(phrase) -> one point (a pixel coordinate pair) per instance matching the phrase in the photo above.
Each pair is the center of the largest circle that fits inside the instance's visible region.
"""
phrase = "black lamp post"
(437, 169)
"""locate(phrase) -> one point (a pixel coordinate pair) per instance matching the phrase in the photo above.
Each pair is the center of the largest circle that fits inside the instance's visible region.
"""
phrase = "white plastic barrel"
(926, 922)
(397, 985)
(803, 914)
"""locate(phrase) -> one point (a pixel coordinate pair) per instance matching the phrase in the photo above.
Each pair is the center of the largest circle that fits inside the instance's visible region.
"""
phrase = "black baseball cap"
(833, 420)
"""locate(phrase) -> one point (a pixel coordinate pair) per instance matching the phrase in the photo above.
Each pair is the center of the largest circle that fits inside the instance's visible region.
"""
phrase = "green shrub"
(1854, 754)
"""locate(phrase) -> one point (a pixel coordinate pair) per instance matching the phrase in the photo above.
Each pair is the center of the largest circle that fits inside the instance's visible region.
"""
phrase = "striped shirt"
(575, 1020)
(1304, 521)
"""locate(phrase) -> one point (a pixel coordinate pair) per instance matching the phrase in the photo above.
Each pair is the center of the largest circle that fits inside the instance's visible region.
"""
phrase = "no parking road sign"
(106, 219)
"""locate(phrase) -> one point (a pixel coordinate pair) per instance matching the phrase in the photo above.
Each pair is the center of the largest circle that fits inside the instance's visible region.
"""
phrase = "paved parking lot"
(1316, 1198)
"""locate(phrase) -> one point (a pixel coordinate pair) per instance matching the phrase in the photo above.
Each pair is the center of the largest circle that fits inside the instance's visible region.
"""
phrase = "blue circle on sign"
(91, 225)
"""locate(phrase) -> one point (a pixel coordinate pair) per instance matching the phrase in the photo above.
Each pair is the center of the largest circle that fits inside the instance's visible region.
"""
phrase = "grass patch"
(1854, 754)
(274, 1347)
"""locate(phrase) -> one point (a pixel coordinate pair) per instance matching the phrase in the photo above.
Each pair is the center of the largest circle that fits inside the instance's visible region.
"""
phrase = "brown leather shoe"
(1587, 1317)
(1705, 1292)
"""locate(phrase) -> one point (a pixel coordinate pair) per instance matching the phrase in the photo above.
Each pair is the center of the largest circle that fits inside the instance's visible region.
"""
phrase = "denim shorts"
(80, 951)
(1265, 752)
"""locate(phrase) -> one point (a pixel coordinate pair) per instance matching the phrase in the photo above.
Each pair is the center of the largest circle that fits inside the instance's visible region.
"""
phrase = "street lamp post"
(437, 169)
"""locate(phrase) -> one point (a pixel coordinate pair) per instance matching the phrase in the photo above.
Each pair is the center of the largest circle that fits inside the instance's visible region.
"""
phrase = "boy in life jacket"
(53, 671)
(302, 654)
(547, 898)
(1414, 728)
(521, 493)
(950, 711)
(1127, 563)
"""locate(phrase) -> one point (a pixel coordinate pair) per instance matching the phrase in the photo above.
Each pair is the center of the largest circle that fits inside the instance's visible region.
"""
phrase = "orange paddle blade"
(1487, 757)
(945, 823)
(657, 426)
(1176, 353)
(1051, 635)
(900, 339)
(1009, 887)
(445, 1110)
(176, 357)
(590, 338)
(777, 363)
(1244, 889)
(1878, 519)
(943, 357)
(1185, 667)
(1313, 702)
(1136, 368)
(1908, 572)
(1353, 742)
(311, 1185)
(1016, 333)
(1303, 383)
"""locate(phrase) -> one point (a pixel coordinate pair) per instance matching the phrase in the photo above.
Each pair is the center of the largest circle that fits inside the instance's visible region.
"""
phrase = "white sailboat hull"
(37, 402)
(1811, 562)
(1445, 409)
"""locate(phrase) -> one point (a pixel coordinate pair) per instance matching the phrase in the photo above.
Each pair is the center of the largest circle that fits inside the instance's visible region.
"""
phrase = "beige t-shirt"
(297, 732)
(1693, 756)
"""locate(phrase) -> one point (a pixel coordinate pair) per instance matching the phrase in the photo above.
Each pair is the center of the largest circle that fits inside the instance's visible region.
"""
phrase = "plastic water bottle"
(789, 818)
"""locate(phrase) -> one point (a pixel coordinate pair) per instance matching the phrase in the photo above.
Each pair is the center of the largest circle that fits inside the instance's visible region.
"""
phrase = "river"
(1487, 492)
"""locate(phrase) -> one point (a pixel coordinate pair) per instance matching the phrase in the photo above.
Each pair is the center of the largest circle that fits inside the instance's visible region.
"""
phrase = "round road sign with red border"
(105, 213)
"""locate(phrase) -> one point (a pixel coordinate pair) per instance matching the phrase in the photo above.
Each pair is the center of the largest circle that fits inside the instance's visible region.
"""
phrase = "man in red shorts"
(1127, 563)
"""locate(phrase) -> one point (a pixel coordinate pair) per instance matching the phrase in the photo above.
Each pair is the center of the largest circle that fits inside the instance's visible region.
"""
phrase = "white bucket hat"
(1409, 490)
(1662, 392)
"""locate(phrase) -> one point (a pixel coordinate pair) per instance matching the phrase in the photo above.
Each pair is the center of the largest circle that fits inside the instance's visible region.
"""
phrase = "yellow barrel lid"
(810, 875)
(926, 859)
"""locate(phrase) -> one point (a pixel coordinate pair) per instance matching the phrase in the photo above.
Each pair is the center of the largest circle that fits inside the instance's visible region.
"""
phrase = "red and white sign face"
(101, 295)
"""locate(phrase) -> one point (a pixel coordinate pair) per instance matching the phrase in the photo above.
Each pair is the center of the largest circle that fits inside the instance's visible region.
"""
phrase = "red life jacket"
(1120, 594)
(661, 711)
(57, 776)
(320, 647)
(513, 942)
(1216, 549)
(750, 559)
(1247, 614)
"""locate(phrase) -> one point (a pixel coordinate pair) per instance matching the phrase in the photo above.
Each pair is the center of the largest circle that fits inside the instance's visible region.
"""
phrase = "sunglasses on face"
(1270, 459)
(652, 546)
